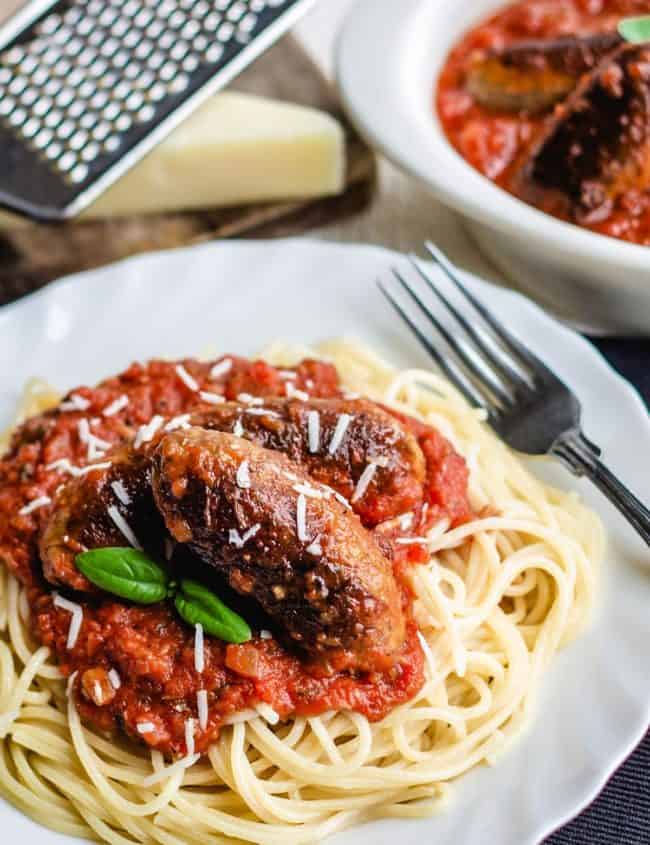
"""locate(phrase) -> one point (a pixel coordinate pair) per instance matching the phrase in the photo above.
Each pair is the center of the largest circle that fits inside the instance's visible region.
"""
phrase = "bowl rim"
(393, 50)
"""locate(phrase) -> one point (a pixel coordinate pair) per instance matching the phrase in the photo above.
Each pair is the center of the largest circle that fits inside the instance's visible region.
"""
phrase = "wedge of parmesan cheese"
(233, 150)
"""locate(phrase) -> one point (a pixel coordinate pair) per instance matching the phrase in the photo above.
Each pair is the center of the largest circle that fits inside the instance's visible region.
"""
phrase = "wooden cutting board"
(35, 254)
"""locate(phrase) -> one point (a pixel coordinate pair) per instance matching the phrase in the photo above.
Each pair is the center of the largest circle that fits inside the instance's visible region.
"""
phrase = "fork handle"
(582, 458)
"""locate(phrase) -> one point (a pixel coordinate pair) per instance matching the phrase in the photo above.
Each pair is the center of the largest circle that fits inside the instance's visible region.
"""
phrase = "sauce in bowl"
(500, 139)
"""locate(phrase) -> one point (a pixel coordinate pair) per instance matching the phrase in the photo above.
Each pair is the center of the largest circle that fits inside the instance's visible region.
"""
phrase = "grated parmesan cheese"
(243, 476)
(116, 406)
(308, 491)
(265, 635)
(95, 445)
(181, 421)
(313, 431)
(364, 481)
(147, 431)
(75, 403)
(189, 736)
(301, 518)
(114, 678)
(315, 548)
(199, 650)
(411, 541)
(202, 708)
(189, 381)
(35, 504)
(64, 465)
(248, 399)
(238, 429)
(120, 492)
(75, 622)
(293, 393)
(145, 727)
(124, 527)
(239, 540)
(221, 368)
(342, 424)
(212, 398)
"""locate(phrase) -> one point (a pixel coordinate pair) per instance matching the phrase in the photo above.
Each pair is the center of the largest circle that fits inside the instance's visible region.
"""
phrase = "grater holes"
(43, 138)
(90, 152)
(214, 53)
(100, 69)
(79, 173)
(236, 12)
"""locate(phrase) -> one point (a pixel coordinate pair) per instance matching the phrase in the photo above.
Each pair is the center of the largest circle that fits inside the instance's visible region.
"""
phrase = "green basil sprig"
(131, 575)
(126, 573)
(635, 30)
(196, 604)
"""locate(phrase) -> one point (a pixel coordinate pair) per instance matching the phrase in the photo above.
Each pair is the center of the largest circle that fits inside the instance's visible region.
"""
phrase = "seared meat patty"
(276, 536)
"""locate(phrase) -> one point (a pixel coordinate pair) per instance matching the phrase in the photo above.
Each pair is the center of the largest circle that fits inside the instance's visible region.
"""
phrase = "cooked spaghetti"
(493, 593)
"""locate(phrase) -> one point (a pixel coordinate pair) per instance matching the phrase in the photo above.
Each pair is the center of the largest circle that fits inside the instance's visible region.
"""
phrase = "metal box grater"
(88, 87)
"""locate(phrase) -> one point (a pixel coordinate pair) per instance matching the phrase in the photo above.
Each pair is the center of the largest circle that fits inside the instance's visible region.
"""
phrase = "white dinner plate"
(237, 297)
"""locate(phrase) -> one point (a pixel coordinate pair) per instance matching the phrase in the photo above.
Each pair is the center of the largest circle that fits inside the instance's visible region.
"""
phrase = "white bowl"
(388, 61)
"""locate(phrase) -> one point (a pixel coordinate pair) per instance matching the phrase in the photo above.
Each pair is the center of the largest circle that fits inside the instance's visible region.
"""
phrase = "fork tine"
(484, 375)
(509, 341)
(495, 356)
(453, 373)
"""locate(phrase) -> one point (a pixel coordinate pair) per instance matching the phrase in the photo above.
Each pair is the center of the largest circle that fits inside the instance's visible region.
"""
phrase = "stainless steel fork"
(527, 405)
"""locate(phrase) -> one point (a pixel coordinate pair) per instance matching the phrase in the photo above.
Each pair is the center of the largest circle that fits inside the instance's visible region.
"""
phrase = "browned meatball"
(88, 511)
(261, 522)
(347, 437)
(596, 146)
(534, 75)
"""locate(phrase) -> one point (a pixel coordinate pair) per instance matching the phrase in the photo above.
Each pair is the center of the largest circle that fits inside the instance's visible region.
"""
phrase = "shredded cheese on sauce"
(313, 431)
(114, 678)
(364, 481)
(124, 527)
(342, 424)
(202, 708)
(35, 504)
(243, 477)
(307, 490)
(75, 403)
(199, 652)
(120, 492)
(75, 622)
(116, 406)
(145, 727)
(212, 398)
(182, 421)
(412, 541)
(293, 393)
(189, 736)
(189, 381)
(315, 548)
(147, 431)
(64, 465)
(239, 540)
(301, 518)
(221, 368)
(238, 429)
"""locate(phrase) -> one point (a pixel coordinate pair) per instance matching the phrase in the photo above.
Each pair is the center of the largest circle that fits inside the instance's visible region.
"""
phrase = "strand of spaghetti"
(18, 633)
(111, 796)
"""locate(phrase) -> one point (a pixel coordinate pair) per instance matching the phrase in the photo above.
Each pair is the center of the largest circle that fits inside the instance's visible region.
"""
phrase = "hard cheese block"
(234, 149)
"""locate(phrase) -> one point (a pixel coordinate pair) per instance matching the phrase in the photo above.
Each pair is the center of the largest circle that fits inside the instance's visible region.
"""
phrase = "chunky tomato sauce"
(150, 648)
(495, 142)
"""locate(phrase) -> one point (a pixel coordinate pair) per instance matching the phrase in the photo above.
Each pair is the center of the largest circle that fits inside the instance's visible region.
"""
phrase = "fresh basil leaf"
(125, 572)
(635, 30)
(196, 604)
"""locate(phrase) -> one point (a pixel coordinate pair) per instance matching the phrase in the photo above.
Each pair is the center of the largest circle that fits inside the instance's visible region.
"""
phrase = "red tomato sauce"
(150, 648)
(494, 142)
